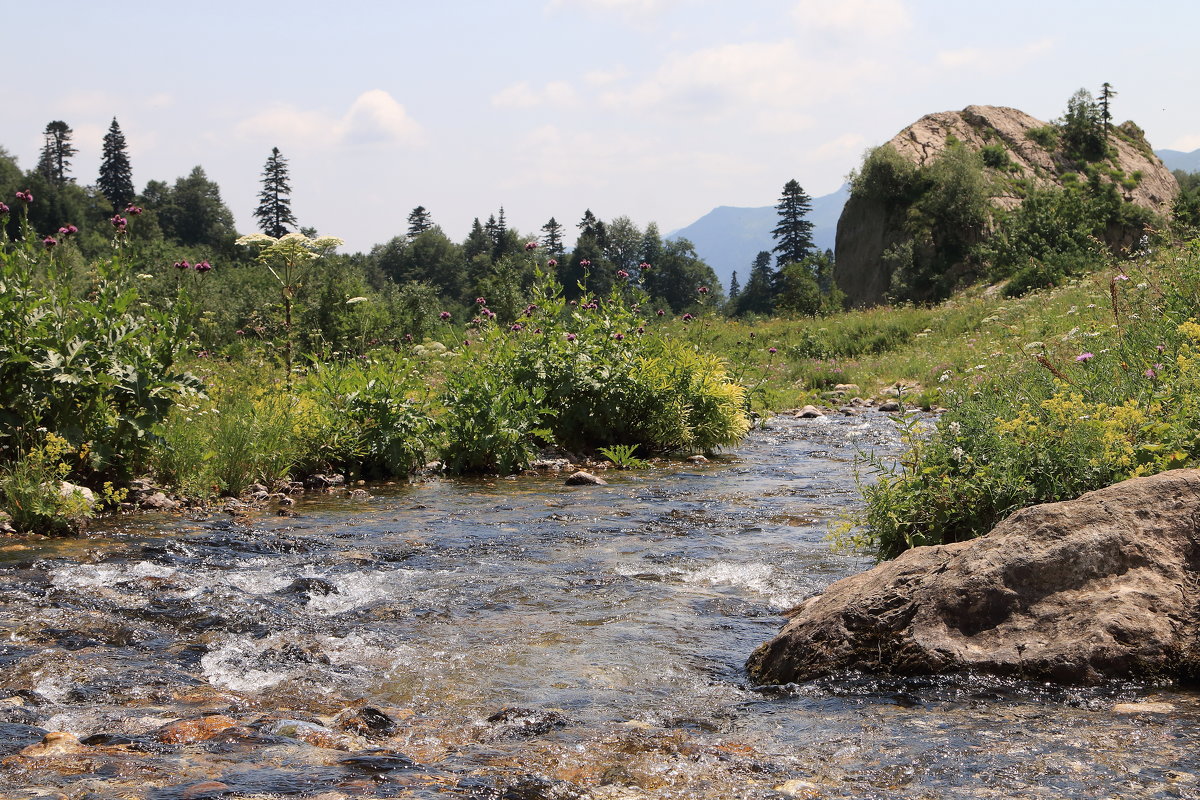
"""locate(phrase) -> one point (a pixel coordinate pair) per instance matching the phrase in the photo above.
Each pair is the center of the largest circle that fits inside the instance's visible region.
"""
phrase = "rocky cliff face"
(867, 228)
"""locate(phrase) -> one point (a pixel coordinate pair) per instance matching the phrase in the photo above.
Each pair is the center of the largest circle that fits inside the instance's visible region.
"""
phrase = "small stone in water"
(370, 722)
(186, 731)
(1144, 708)
(55, 743)
(582, 478)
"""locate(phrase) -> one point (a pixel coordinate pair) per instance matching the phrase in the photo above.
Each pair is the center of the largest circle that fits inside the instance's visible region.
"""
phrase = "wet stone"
(379, 761)
(524, 722)
(370, 722)
(16, 737)
(188, 731)
(582, 478)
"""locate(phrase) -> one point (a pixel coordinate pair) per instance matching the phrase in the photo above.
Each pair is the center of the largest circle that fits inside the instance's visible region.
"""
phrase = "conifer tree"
(116, 177)
(274, 212)
(55, 160)
(793, 234)
(419, 221)
(735, 289)
(552, 240)
(1106, 94)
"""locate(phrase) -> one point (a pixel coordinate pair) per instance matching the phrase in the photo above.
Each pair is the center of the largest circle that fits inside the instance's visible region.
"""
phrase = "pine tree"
(758, 296)
(55, 160)
(735, 289)
(552, 240)
(419, 221)
(1106, 94)
(116, 177)
(794, 232)
(274, 212)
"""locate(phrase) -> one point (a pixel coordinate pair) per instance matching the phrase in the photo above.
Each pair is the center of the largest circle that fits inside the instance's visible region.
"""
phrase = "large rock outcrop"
(867, 227)
(1104, 586)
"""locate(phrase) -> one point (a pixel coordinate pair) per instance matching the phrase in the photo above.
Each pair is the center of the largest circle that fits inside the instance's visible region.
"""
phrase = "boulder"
(582, 478)
(1103, 586)
(809, 412)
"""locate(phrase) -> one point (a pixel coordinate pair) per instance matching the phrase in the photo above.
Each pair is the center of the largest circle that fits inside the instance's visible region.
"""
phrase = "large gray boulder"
(1104, 586)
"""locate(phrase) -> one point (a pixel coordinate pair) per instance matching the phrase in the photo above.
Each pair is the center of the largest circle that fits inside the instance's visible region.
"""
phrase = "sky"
(659, 110)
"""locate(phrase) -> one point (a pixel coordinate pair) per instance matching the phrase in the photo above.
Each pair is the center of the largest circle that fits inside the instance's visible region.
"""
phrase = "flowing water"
(524, 640)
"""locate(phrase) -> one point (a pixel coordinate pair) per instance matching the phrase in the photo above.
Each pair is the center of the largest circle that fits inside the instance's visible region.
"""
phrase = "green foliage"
(793, 234)
(1083, 128)
(996, 156)
(1107, 404)
(274, 211)
(1046, 136)
(116, 176)
(34, 494)
(622, 456)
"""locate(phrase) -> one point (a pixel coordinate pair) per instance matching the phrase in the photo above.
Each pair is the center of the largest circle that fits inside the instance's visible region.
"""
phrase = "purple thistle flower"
(1121, 276)
(132, 209)
(1083, 358)
(517, 327)
(49, 242)
(408, 337)
(574, 303)
(537, 330)
(444, 316)
(119, 222)
(467, 342)
(688, 317)
(25, 196)
(703, 290)
(1151, 374)
(182, 264)
(480, 301)
(772, 350)
(1160, 347)
(618, 336)
(585, 263)
(660, 312)
(3, 209)
(622, 274)
(202, 266)
(645, 265)
(552, 263)
(530, 246)
(571, 337)
(641, 329)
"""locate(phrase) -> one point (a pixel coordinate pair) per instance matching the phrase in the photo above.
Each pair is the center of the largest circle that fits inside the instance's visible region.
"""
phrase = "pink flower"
(688, 317)
(516, 326)
(480, 301)
(1083, 358)
(119, 222)
(585, 263)
(618, 336)
(25, 196)
(67, 230)
(202, 266)
(660, 312)
(644, 266)
(3, 209)
(530, 246)
(1121, 276)
(467, 342)
(240, 332)
(444, 316)
(1150, 374)
(571, 337)
(772, 350)
(703, 290)
(1160, 347)
(552, 263)
(49, 242)
(132, 209)
(182, 265)
(641, 329)
(622, 274)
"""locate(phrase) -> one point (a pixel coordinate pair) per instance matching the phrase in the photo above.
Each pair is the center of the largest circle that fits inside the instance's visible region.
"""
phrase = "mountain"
(1176, 159)
(728, 238)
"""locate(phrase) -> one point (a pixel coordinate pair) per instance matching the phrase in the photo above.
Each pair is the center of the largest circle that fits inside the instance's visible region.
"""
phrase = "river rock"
(187, 731)
(809, 412)
(55, 743)
(158, 501)
(891, 406)
(1103, 586)
(67, 490)
(582, 478)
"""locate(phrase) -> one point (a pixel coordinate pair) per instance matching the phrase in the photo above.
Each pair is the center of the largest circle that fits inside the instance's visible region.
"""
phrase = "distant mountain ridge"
(728, 238)
(1177, 159)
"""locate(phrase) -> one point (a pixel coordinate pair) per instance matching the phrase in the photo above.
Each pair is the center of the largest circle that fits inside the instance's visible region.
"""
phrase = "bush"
(1123, 404)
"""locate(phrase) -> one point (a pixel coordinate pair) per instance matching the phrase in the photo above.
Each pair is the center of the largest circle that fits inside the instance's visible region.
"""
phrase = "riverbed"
(520, 639)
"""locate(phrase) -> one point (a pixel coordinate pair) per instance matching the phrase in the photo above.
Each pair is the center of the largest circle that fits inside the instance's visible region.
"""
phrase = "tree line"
(188, 218)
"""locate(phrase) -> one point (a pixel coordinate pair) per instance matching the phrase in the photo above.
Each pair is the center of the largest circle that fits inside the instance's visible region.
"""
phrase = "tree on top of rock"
(1107, 93)
(793, 234)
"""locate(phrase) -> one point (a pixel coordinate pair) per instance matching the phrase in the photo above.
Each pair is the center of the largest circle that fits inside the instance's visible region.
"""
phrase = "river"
(519, 639)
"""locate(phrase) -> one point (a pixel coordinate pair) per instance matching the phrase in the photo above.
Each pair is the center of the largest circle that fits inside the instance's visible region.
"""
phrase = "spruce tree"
(274, 212)
(794, 232)
(419, 221)
(55, 160)
(735, 289)
(116, 177)
(552, 240)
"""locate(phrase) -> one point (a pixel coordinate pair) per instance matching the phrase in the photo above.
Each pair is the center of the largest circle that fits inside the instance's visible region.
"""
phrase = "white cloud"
(1185, 144)
(846, 145)
(521, 95)
(861, 18)
(991, 59)
(770, 84)
(374, 117)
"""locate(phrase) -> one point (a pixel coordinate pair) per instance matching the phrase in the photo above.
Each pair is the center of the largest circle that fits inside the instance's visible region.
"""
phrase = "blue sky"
(655, 109)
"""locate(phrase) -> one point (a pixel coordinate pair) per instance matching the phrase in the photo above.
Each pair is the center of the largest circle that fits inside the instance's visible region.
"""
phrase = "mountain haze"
(728, 238)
